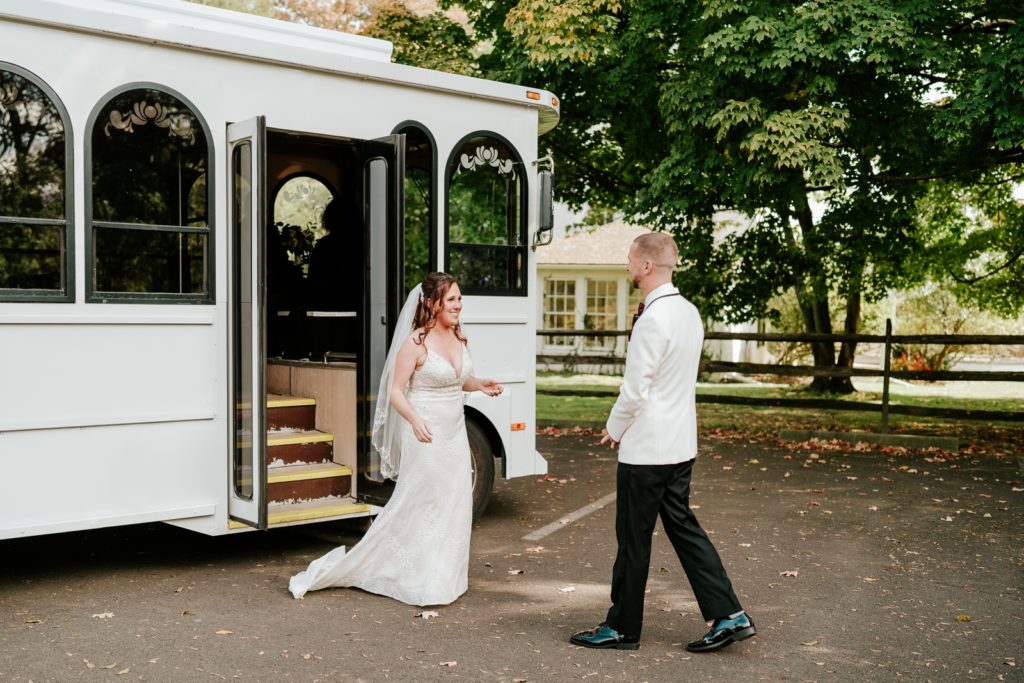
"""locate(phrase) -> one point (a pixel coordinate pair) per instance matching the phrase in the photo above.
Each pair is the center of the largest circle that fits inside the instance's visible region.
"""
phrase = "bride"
(417, 550)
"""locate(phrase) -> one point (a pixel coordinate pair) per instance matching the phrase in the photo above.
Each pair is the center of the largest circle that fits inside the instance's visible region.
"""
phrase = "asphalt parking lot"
(856, 564)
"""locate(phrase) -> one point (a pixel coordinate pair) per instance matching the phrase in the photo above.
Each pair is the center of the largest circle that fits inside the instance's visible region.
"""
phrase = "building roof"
(604, 245)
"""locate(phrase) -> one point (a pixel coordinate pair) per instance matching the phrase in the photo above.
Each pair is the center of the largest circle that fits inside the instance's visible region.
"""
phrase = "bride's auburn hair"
(433, 290)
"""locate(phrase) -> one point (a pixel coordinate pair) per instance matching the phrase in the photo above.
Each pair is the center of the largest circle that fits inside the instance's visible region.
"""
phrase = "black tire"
(482, 456)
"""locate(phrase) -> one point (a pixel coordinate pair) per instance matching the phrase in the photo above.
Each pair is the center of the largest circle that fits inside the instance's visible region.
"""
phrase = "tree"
(825, 122)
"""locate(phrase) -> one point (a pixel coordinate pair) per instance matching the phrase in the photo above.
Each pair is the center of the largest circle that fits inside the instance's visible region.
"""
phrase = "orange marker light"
(530, 95)
(518, 426)
(554, 101)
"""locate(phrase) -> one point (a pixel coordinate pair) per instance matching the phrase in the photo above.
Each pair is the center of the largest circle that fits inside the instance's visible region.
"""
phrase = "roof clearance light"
(554, 101)
(531, 95)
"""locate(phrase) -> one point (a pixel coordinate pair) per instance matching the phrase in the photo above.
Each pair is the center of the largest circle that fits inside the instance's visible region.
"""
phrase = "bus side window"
(149, 204)
(36, 235)
(486, 239)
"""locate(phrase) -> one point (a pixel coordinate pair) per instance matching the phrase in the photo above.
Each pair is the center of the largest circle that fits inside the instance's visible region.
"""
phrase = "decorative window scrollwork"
(143, 112)
(487, 156)
(8, 95)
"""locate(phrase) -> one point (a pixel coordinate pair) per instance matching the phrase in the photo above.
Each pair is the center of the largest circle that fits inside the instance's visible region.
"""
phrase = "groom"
(654, 423)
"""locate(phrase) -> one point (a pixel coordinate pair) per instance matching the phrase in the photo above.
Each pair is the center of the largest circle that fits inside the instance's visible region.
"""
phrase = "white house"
(583, 285)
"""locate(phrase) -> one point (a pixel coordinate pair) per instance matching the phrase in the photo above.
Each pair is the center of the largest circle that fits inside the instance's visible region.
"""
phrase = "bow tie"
(636, 316)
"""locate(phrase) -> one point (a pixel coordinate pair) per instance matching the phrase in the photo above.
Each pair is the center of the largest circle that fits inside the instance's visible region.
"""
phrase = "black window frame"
(67, 293)
(432, 199)
(91, 294)
(523, 247)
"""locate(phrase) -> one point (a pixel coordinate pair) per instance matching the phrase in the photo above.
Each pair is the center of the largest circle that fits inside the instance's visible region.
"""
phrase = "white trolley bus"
(208, 223)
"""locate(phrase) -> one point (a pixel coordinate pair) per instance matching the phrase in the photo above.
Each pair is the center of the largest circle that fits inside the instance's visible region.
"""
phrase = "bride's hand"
(422, 430)
(490, 387)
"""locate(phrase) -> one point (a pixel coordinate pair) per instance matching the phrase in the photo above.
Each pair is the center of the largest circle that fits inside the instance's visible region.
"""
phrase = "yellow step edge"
(337, 510)
(285, 515)
(292, 438)
(305, 472)
(279, 401)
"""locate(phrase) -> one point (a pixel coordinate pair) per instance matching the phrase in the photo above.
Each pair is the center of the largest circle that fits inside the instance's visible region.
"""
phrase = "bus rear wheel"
(482, 456)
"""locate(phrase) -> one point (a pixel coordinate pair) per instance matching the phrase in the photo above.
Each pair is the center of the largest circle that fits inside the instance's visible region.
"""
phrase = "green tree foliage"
(825, 121)
(429, 40)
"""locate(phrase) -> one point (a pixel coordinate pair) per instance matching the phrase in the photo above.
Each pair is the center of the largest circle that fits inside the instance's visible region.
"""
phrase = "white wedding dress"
(417, 550)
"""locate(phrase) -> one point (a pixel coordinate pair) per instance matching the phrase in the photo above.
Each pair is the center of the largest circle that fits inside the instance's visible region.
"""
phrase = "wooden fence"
(885, 408)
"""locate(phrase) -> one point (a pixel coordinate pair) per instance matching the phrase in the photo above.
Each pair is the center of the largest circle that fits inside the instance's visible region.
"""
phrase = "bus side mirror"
(545, 209)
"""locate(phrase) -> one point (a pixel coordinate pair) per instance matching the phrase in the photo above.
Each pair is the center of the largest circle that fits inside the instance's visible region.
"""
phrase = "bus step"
(290, 413)
(299, 447)
(292, 483)
(281, 514)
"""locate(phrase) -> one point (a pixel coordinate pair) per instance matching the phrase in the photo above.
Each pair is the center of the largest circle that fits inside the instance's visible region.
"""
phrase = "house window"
(36, 255)
(601, 313)
(486, 238)
(150, 201)
(559, 310)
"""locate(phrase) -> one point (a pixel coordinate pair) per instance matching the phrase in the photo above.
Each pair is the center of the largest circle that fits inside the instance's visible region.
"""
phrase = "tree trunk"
(813, 300)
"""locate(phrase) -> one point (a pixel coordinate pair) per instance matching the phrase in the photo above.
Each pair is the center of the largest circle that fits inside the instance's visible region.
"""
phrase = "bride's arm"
(405, 365)
(487, 386)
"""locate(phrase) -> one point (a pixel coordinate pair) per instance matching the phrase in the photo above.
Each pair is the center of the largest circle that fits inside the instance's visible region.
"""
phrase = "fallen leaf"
(790, 572)
(88, 664)
(535, 549)
(447, 663)
(103, 615)
(567, 589)
(426, 614)
(962, 617)
(516, 571)
(873, 508)
(109, 666)
(810, 643)
(33, 621)
(868, 579)
(122, 672)
(307, 656)
(224, 632)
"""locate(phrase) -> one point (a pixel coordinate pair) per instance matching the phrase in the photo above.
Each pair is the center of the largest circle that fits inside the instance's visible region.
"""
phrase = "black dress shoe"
(724, 632)
(604, 637)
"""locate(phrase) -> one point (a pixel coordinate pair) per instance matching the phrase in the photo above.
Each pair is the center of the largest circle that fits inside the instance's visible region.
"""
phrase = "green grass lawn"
(1001, 396)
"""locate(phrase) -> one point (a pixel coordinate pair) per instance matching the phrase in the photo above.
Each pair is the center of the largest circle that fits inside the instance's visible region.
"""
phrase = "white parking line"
(568, 519)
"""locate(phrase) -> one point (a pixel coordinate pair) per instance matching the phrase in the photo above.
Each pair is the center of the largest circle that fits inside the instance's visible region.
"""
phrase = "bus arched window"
(36, 257)
(487, 217)
(150, 200)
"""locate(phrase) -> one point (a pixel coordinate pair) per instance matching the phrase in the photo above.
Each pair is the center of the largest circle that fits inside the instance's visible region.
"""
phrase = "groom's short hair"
(659, 248)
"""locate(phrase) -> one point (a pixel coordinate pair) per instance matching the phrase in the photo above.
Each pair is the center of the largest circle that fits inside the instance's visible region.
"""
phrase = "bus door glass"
(247, 409)
(383, 169)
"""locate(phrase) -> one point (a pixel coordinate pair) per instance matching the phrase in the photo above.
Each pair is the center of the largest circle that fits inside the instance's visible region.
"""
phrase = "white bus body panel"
(117, 413)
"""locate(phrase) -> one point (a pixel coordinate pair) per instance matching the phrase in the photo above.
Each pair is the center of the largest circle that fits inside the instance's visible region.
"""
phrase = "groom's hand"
(607, 438)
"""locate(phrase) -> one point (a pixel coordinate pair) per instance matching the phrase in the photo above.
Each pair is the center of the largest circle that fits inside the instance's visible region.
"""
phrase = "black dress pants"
(644, 492)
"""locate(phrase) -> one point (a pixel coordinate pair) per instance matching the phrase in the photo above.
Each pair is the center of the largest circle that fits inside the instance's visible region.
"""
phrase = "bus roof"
(188, 25)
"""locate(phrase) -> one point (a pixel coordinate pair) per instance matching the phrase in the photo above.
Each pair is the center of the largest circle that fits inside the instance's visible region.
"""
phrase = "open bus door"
(383, 168)
(247, 287)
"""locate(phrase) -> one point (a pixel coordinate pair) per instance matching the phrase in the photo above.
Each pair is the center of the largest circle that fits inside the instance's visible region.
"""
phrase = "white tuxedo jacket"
(654, 418)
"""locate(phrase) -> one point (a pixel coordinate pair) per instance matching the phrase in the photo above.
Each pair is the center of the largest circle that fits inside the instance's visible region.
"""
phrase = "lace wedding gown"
(417, 550)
